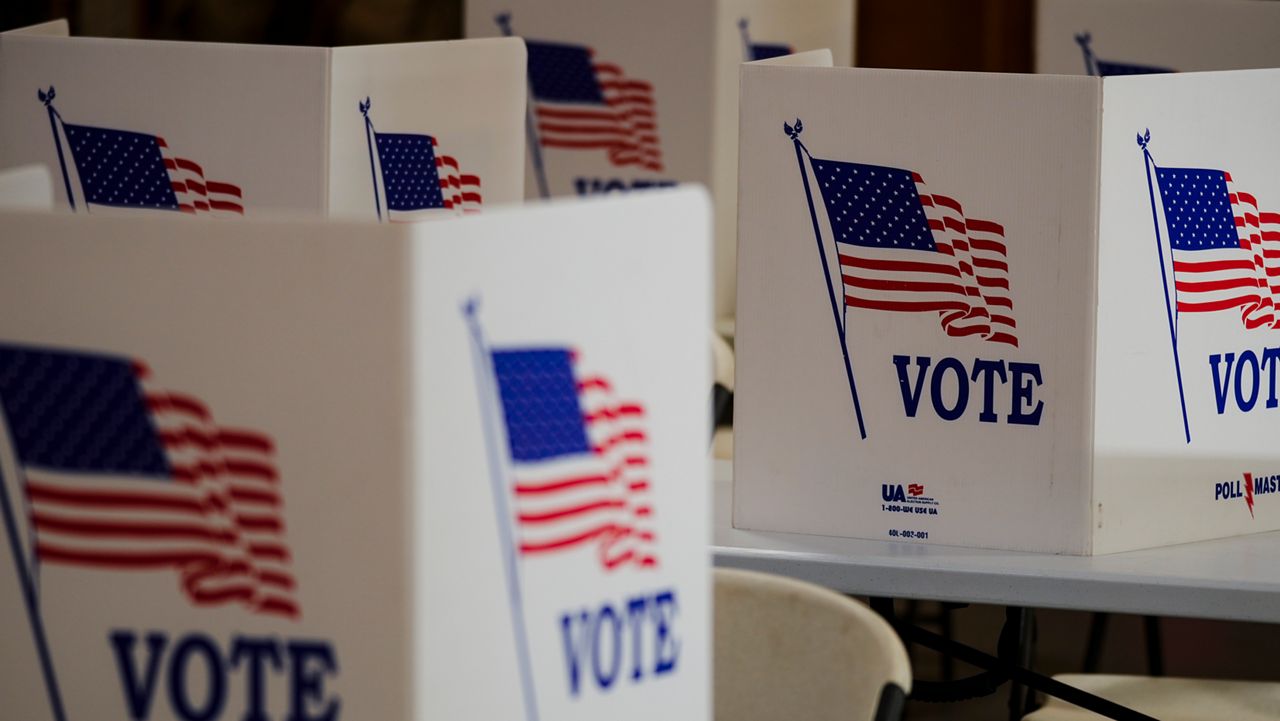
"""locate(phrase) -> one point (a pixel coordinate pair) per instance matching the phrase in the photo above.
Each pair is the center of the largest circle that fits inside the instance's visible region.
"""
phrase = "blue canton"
(873, 206)
(1106, 69)
(1198, 209)
(539, 395)
(764, 51)
(560, 72)
(409, 171)
(77, 412)
(120, 168)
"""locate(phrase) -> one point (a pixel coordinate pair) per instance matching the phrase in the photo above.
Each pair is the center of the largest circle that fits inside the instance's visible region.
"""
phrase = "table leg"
(1013, 664)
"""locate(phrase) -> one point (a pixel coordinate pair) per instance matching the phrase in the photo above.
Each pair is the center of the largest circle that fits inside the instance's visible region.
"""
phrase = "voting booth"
(1043, 320)
(1137, 37)
(386, 132)
(322, 470)
(626, 95)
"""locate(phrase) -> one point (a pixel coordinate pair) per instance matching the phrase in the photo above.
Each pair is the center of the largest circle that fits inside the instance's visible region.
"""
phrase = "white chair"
(1169, 699)
(722, 375)
(791, 650)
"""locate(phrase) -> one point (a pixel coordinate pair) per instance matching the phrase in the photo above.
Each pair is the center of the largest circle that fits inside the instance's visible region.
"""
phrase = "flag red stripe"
(904, 266)
(564, 541)
(112, 499)
(1203, 286)
(570, 511)
(986, 226)
(111, 559)
(905, 306)
(224, 188)
(614, 413)
(1209, 306)
(227, 206)
(280, 606)
(1209, 266)
(78, 527)
(906, 286)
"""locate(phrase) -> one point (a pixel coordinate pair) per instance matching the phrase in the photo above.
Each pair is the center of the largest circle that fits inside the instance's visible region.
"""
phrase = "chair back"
(791, 650)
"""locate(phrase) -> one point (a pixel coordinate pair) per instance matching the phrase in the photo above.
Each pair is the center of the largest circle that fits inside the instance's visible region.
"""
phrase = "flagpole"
(746, 39)
(54, 118)
(1147, 163)
(794, 134)
(530, 128)
(485, 383)
(32, 602)
(373, 170)
(1090, 63)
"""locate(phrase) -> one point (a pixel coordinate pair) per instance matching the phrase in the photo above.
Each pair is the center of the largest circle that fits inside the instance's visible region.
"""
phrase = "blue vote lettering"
(599, 186)
(1240, 378)
(635, 638)
(1022, 380)
(196, 661)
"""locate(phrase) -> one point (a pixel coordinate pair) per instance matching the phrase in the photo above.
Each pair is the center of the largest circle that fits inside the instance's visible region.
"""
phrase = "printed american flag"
(764, 51)
(124, 169)
(1226, 253)
(902, 248)
(418, 182)
(120, 474)
(579, 459)
(582, 104)
(1107, 68)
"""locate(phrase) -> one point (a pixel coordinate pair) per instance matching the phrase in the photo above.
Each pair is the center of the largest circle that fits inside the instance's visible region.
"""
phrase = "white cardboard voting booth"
(1009, 325)
(1128, 37)
(627, 95)
(390, 132)
(338, 471)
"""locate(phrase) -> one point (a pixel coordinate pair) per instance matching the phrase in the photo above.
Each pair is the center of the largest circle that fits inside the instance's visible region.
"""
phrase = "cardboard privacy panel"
(1130, 37)
(390, 132)
(304, 470)
(1012, 326)
(627, 95)
(26, 188)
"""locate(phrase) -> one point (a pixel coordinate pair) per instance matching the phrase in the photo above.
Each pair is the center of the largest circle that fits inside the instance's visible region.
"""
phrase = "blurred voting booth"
(1139, 37)
(327, 470)
(626, 95)
(389, 132)
(1043, 321)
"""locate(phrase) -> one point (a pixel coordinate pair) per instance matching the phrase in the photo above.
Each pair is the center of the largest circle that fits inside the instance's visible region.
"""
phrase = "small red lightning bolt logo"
(1248, 492)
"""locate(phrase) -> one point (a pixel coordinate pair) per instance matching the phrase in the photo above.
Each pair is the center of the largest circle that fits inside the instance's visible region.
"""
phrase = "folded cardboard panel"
(391, 132)
(329, 471)
(940, 337)
(628, 95)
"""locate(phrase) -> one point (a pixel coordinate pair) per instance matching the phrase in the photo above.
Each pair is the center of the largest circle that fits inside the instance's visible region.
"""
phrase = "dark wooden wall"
(991, 35)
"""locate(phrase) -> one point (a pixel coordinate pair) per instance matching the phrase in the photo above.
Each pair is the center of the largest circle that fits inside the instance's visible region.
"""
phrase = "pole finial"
(364, 106)
(793, 132)
(1144, 139)
(471, 307)
(48, 97)
(503, 19)
(1084, 38)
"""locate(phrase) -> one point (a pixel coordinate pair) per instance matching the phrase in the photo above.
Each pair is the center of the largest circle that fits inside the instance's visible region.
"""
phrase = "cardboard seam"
(1092, 516)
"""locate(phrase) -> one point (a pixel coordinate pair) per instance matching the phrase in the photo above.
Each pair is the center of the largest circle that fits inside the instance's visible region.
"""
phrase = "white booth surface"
(385, 132)
(632, 95)
(1042, 320)
(1132, 37)
(322, 470)
(28, 187)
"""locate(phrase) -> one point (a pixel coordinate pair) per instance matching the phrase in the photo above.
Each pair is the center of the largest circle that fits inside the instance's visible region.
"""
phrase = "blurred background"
(976, 35)
(991, 35)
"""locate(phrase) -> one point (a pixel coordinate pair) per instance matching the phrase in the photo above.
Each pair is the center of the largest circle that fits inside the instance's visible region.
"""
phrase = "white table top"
(1234, 579)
